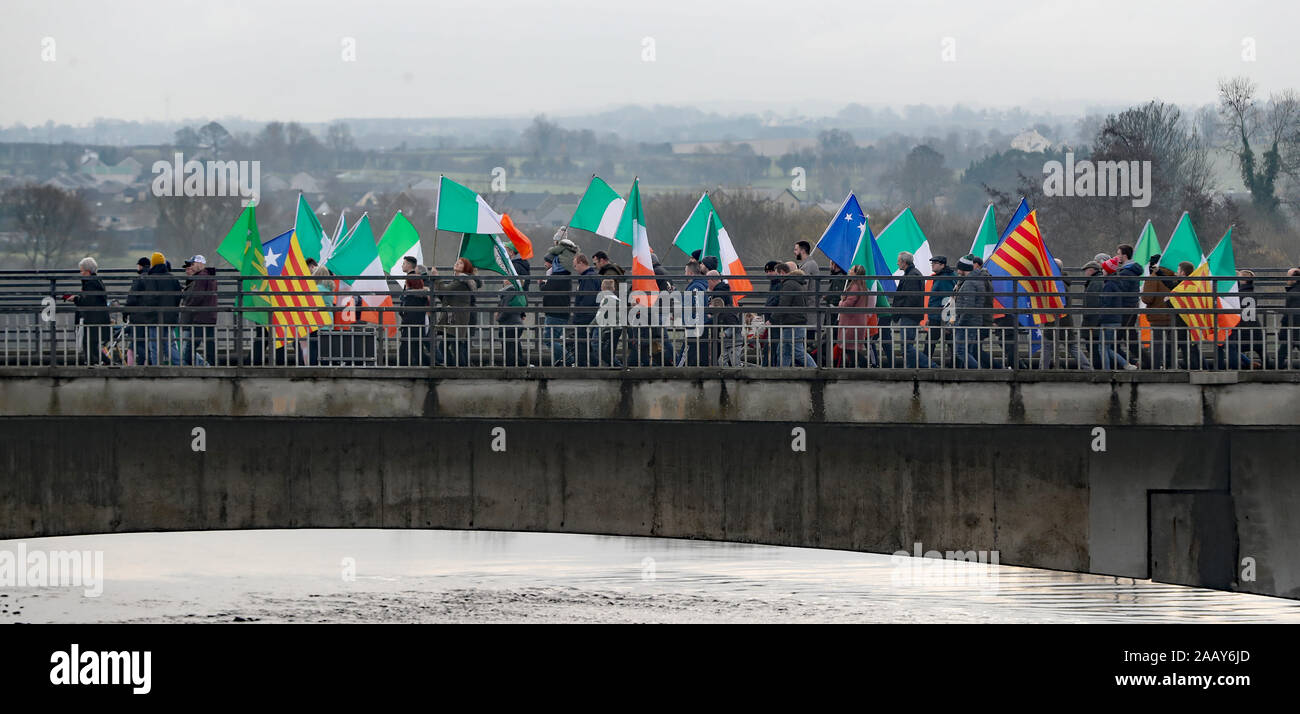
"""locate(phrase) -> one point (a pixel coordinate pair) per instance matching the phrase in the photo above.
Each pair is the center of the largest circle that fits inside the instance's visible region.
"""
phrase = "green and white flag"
(904, 234)
(599, 210)
(487, 252)
(460, 210)
(986, 239)
(1183, 246)
(1147, 246)
(400, 239)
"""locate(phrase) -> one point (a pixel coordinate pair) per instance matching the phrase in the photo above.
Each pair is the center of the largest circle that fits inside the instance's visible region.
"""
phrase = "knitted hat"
(157, 259)
(143, 263)
(965, 263)
(1113, 264)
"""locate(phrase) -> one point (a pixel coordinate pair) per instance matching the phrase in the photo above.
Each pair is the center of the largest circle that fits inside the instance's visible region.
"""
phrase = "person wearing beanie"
(157, 259)
(974, 292)
(161, 292)
(1110, 324)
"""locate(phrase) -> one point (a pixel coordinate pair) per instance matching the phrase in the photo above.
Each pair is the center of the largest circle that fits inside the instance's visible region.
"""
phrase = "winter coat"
(201, 292)
(942, 285)
(853, 325)
(973, 294)
(93, 294)
(162, 292)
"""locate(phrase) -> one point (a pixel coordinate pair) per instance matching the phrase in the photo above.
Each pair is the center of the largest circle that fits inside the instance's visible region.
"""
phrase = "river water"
(476, 576)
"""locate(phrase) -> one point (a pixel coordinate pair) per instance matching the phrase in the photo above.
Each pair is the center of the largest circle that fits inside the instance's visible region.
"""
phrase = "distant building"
(1031, 141)
(304, 182)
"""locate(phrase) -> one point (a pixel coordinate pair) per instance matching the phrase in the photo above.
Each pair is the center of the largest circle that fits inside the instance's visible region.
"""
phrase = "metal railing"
(435, 321)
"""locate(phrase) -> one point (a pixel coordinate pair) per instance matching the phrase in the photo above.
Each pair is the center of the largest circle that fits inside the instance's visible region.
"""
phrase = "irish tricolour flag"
(631, 230)
(904, 234)
(698, 232)
(599, 210)
(357, 258)
(460, 210)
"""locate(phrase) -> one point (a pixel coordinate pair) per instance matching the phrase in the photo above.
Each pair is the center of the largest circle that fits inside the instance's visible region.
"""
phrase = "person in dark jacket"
(794, 323)
(161, 294)
(200, 319)
(1248, 336)
(1130, 276)
(585, 302)
(770, 353)
(455, 324)
(974, 292)
(689, 352)
(92, 311)
(910, 294)
(413, 315)
(130, 315)
(1114, 294)
(556, 300)
(604, 266)
(943, 283)
(1288, 337)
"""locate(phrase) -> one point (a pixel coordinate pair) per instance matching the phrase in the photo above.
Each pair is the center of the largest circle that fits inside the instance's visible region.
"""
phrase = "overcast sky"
(284, 60)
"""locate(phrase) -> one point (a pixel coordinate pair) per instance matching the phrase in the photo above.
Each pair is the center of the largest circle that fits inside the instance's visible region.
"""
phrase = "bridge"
(1179, 476)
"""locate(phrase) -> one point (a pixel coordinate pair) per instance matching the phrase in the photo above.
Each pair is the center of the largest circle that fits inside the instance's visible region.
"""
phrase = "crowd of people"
(944, 318)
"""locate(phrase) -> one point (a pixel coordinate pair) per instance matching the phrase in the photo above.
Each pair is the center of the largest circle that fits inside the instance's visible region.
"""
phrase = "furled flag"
(310, 234)
(986, 238)
(286, 267)
(242, 248)
(632, 228)
(1023, 255)
(460, 210)
(844, 233)
(599, 210)
(1194, 301)
(1148, 245)
(358, 256)
(904, 234)
(695, 231)
(486, 252)
(400, 239)
(331, 244)
(1183, 246)
(522, 243)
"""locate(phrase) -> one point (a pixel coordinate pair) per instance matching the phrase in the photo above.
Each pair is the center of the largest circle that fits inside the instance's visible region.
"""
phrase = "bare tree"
(193, 224)
(57, 223)
(1276, 126)
(213, 136)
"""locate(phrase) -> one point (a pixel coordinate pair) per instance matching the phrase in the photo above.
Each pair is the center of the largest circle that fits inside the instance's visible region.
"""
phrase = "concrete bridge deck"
(1198, 472)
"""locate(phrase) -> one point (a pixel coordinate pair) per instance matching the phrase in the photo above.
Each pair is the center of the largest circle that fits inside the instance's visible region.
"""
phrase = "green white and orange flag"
(904, 234)
(461, 210)
(1223, 262)
(986, 238)
(703, 226)
(632, 230)
(400, 239)
(308, 231)
(358, 257)
(600, 210)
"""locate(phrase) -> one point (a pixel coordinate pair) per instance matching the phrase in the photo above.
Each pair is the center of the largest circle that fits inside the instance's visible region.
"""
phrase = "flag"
(341, 234)
(486, 252)
(986, 238)
(286, 268)
(1022, 212)
(358, 256)
(904, 234)
(1221, 261)
(522, 243)
(872, 260)
(1022, 254)
(844, 233)
(400, 239)
(1148, 245)
(1183, 246)
(242, 248)
(632, 228)
(599, 210)
(696, 231)
(710, 247)
(460, 210)
(310, 235)
(1194, 301)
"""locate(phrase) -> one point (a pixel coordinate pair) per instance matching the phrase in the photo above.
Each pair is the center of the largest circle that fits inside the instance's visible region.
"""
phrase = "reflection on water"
(478, 576)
